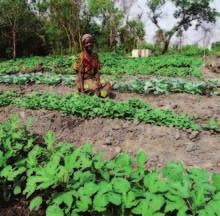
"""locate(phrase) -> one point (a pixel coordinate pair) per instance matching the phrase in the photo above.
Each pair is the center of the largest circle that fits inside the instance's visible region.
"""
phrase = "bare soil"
(18, 207)
(208, 73)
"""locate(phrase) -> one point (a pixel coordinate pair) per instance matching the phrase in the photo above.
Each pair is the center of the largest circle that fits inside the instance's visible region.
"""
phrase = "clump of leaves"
(75, 181)
(164, 65)
(165, 86)
(86, 106)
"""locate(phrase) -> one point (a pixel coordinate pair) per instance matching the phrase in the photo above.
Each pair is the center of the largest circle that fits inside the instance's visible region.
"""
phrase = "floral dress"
(89, 66)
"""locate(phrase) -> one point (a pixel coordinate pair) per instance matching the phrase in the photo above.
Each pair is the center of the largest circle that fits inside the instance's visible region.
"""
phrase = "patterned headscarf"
(85, 36)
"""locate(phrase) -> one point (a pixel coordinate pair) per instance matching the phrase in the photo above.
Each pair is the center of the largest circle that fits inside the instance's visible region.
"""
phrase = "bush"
(191, 50)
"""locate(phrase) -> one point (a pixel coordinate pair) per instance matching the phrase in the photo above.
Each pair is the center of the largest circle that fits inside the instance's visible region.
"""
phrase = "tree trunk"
(14, 43)
(76, 7)
(166, 44)
(68, 37)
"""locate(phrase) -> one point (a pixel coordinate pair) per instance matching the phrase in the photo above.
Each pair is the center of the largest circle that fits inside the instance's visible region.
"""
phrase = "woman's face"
(88, 44)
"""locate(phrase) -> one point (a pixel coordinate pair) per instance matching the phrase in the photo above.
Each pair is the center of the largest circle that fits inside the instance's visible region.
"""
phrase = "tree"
(63, 16)
(110, 16)
(126, 6)
(159, 39)
(17, 21)
(207, 34)
(132, 34)
(186, 13)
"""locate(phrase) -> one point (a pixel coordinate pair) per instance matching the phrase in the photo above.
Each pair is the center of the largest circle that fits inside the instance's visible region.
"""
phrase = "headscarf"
(85, 36)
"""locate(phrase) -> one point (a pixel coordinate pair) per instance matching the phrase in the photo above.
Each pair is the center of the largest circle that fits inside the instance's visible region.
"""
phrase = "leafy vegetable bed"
(86, 106)
(38, 78)
(166, 65)
(155, 86)
(59, 64)
(165, 86)
(74, 181)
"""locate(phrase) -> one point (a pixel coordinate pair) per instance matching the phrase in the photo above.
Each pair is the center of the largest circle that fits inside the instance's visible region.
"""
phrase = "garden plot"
(169, 126)
(113, 136)
(46, 177)
(202, 107)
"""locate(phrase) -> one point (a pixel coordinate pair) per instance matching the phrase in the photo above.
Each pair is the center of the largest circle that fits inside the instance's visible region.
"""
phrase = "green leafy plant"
(164, 65)
(74, 181)
(165, 86)
(154, 86)
(86, 106)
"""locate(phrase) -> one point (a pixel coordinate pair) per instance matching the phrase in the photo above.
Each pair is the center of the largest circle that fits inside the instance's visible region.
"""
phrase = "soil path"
(208, 73)
(202, 107)
(114, 136)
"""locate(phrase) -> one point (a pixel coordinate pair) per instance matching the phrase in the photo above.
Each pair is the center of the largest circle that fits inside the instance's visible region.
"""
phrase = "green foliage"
(111, 20)
(162, 65)
(75, 181)
(165, 86)
(38, 78)
(140, 86)
(19, 25)
(186, 14)
(7, 98)
(55, 64)
(35, 203)
(13, 141)
(86, 106)
(132, 34)
(213, 125)
(190, 50)
(216, 45)
(216, 49)
(167, 65)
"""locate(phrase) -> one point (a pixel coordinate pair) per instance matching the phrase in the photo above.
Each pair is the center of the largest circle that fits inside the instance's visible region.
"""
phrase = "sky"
(190, 37)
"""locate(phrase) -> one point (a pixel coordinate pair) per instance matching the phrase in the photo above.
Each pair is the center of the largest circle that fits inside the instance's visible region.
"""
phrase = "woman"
(87, 68)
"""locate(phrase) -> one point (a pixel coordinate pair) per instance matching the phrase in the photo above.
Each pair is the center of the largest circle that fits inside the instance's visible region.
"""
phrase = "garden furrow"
(117, 135)
(79, 180)
(202, 107)
(86, 106)
(156, 86)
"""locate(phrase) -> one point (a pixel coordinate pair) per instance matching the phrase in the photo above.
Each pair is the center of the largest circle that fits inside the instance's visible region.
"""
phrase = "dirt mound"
(114, 136)
(212, 68)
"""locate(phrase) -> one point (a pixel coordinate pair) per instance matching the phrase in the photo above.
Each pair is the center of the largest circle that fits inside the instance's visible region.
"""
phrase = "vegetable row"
(86, 106)
(69, 181)
(155, 86)
(165, 65)
(166, 86)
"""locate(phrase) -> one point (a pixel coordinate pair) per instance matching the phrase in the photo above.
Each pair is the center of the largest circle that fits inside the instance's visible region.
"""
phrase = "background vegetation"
(39, 27)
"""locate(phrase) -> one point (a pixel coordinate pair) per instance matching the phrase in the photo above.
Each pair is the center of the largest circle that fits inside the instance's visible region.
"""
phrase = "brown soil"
(114, 136)
(201, 107)
(208, 73)
(19, 207)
